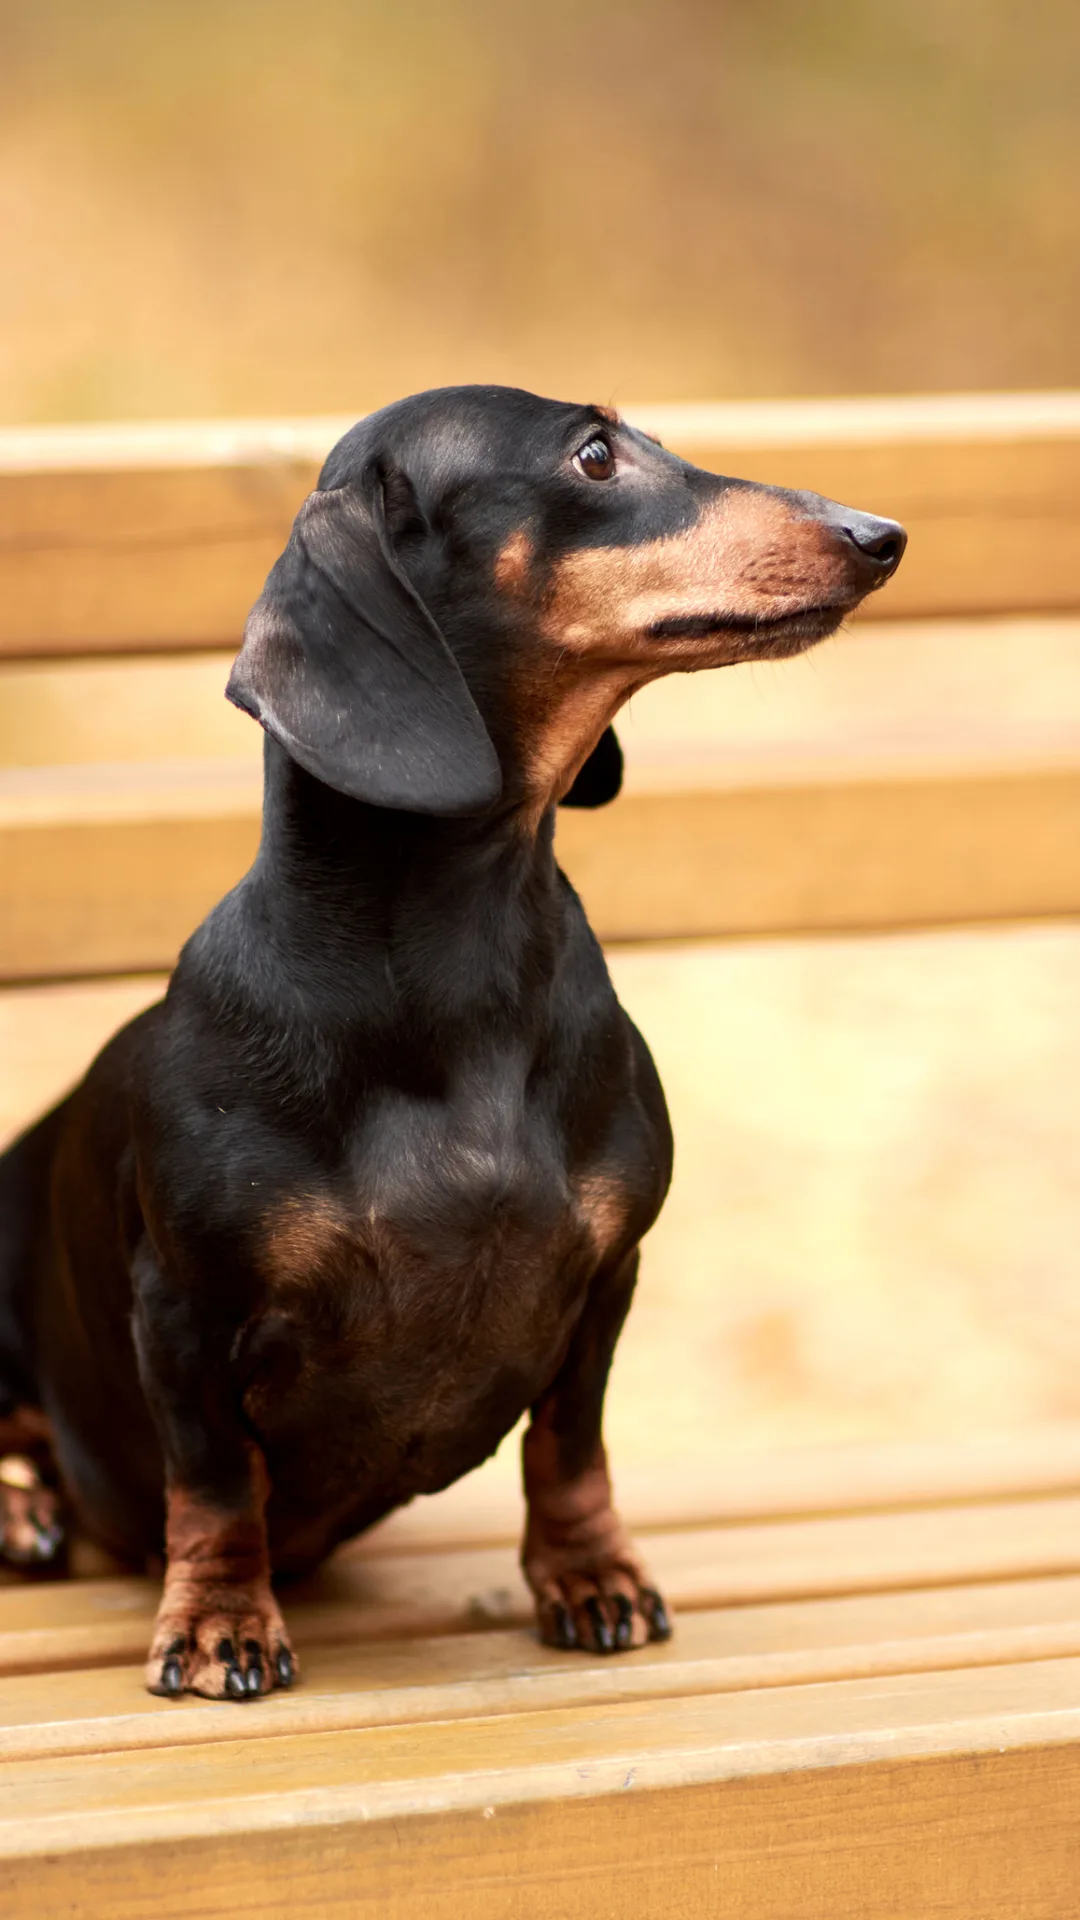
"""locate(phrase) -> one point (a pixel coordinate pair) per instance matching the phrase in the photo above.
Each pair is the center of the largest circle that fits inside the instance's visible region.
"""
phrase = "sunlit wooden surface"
(840, 1689)
(844, 1416)
(903, 773)
(132, 537)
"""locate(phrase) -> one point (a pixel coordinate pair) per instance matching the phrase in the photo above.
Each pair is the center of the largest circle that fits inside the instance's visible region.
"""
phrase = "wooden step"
(372, 1595)
(897, 1748)
(371, 1682)
(844, 1788)
(926, 774)
(140, 536)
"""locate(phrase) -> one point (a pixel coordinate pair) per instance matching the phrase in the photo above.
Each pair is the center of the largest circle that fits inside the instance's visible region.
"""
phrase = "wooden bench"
(871, 1704)
(871, 1707)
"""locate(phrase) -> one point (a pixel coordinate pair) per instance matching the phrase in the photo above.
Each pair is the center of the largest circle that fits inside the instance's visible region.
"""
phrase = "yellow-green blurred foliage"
(252, 206)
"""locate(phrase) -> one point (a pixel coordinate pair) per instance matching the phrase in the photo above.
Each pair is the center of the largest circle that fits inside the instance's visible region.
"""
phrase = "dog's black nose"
(881, 542)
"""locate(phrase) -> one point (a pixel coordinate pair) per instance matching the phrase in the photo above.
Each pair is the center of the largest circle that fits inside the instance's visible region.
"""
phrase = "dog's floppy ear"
(345, 667)
(599, 780)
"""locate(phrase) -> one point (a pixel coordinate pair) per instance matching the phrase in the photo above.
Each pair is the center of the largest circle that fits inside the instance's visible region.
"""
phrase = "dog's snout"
(880, 543)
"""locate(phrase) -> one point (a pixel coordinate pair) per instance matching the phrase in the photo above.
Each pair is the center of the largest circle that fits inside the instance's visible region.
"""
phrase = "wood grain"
(925, 773)
(845, 1800)
(739, 1649)
(968, 1837)
(144, 537)
(110, 874)
(363, 1595)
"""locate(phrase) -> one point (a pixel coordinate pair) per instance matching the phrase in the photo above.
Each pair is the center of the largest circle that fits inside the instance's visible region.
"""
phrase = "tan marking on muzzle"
(749, 555)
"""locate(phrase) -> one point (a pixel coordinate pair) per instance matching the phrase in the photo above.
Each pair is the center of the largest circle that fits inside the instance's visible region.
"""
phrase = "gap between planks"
(360, 1597)
(399, 1773)
(107, 1710)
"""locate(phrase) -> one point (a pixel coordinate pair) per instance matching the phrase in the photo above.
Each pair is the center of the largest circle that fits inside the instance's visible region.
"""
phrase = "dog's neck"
(363, 900)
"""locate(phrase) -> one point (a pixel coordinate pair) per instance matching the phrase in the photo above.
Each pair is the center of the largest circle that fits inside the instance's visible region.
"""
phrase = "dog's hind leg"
(31, 1530)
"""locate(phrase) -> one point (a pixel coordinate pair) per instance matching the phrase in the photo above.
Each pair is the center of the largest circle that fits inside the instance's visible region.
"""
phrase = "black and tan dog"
(370, 1181)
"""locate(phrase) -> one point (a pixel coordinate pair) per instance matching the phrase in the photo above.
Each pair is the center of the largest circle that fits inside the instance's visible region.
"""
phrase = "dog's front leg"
(590, 1586)
(219, 1630)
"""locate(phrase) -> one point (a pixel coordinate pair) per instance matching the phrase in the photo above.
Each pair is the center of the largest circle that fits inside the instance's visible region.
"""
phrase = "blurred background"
(245, 206)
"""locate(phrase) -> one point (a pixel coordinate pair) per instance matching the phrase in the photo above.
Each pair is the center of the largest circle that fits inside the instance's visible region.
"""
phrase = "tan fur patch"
(209, 1546)
(748, 555)
(302, 1236)
(217, 1607)
(602, 1208)
(513, 562)
(577, 1556)
(567, 715)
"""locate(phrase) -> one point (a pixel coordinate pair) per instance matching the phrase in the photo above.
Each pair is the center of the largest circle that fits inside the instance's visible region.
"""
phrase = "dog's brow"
(610, 414)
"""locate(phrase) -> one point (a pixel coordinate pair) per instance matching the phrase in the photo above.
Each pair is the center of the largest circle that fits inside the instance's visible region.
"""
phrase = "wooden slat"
(363, 1595)
(119, 893)
(831, 854)
(111, 877)
(967, 1837)
(967, 691)
(106, 1709)
(760, 1484)
(679, 1796)
(246, 1783)
(927, 775)
(161, 536)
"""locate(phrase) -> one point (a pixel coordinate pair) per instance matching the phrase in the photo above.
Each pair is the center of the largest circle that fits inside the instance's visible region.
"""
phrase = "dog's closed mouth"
(809, 622)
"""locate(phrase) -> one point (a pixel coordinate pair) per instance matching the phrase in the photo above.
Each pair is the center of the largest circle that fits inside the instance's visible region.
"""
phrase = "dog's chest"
(432, 1284)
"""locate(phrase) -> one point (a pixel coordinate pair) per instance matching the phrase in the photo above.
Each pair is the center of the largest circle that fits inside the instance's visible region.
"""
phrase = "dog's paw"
(31, 1534)
(226, 1643)
(606, 1609)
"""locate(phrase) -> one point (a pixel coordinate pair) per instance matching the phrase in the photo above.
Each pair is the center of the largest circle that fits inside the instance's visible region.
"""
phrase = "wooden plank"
(758, 1484)
(121, 873)
(874, 698)
(110, 709)
(111, 877)
(104, 1710)
(161, 536)
(969, 1837)
(720, 1791)
(363, 1595)
(845, 854)
(927, 774)
(252, 1783)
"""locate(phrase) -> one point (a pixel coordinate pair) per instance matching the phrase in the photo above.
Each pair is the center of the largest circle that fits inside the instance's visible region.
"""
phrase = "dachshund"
(369, 1182)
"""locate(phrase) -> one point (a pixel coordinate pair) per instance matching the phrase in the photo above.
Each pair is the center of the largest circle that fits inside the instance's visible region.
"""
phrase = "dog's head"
(482, 577)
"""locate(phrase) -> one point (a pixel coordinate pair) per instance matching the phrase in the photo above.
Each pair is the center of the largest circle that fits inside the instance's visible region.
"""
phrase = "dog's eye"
(595, 459)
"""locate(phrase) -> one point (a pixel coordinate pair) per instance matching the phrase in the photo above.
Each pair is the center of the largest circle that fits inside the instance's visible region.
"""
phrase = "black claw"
(283, 1667)
(49, 1538)
(172, 1678)
(656, 1613)
(601, 1632)
(235, 1684)
(226, 1652)
(254, 1678)
(563, 1628)
(624, 1625)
